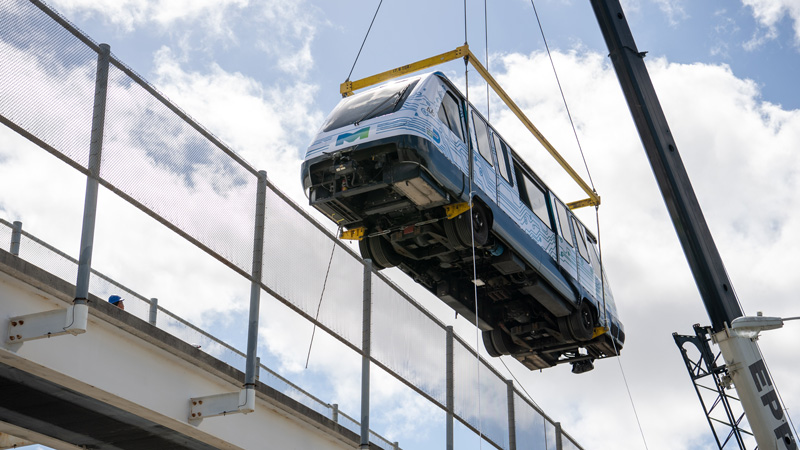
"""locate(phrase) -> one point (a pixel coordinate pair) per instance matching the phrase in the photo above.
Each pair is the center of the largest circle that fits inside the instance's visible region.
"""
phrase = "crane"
(734, 333)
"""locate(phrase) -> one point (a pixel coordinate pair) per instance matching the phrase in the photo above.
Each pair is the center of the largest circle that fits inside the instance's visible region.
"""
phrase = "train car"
(390, 165)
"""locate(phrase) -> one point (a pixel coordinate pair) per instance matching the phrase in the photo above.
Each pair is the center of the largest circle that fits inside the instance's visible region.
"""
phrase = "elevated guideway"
(126, 384)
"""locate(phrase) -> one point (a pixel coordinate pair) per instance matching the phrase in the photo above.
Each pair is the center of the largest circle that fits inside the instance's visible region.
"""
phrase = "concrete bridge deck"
(126, 384)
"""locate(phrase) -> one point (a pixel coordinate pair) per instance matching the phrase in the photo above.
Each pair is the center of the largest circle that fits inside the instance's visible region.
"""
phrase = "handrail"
(348, 87)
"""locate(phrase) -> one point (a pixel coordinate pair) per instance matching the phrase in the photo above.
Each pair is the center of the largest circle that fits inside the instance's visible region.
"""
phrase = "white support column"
(73, 320)
(243, 401)
(366, 337)
(752, 381)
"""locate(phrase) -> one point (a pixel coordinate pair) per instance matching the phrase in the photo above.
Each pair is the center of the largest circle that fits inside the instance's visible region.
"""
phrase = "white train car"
(391, 166)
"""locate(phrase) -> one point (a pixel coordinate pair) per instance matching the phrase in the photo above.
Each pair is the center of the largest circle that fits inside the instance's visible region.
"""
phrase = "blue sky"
(262, 76)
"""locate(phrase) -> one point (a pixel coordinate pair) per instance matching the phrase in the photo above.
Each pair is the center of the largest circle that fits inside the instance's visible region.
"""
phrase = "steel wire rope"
(597, 217)
(470, 154)
(486, 46)
(365, 40)
(530, 398)
(627, 388)
(321, 295)
(563, 98)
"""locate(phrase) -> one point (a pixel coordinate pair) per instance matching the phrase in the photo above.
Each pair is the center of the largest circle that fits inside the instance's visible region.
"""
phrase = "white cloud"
(283, 29)
(769, 13)
(130, 14)
(268, 125)
(292, 29)
(740, 153)
(673, 9)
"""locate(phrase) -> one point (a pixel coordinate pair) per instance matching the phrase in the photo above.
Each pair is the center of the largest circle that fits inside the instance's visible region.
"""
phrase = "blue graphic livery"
(394, 162)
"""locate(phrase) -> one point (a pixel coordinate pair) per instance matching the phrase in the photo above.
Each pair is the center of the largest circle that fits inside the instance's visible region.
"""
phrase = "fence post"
(90, 201)
(335, 412)
(255, 284)
(365, 348)
(449, 400)
(512, 424)
(559, 445)
(16, 237)
(153, 311)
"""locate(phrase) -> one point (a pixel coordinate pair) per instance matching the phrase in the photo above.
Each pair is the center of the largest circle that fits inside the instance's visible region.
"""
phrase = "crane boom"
(740, 350)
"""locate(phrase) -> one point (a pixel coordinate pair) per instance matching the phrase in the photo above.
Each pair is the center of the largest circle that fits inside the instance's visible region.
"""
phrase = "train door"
(585, 270)
(505, 184)
(483, 163)
(567, 254)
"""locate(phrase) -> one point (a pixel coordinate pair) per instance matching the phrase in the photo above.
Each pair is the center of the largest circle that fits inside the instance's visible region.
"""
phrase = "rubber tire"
(479, 225)
(366, 253)
(383, 254)
(497, 343)
(581, 322)
(452, 234)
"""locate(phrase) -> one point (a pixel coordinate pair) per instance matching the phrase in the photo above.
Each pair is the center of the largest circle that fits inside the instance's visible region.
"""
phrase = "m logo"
(350, 137)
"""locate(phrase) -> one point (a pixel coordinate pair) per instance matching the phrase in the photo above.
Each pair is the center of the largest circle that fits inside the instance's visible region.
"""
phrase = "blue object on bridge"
(114, 299)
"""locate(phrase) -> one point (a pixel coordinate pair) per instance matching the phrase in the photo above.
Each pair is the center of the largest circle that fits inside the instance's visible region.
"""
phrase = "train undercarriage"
(404, 219)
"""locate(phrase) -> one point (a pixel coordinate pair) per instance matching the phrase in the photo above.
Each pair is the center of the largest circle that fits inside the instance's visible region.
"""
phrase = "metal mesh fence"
(480, 395)
(296, 259)
(349, 423)
(56, 263)
(47, 80)
(166, 164)
(549, 435)
(529, 426)
(407, 341)
(283, 386)
(5, 235)
(155, 157)
(568, 444)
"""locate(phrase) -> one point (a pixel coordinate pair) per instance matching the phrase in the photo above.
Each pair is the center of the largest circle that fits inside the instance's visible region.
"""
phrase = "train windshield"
(366, 105)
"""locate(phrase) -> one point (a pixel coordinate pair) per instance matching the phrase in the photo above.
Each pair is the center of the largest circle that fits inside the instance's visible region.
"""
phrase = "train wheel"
(452, 234)
(478, 226)
(366, 253)
(497, 343)
(581, 322)
(380, 251)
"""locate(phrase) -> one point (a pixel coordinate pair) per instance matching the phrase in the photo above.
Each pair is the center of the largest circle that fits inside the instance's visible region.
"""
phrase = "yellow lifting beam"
(348, 87)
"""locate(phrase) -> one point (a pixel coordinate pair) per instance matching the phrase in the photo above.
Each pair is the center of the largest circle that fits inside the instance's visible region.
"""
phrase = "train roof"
(422, 78)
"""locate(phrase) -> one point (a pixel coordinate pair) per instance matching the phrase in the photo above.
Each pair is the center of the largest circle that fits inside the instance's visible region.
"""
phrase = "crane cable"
(486, 45)
(529, 398)
(597, 217)
(558, 81)
(365, 40)
(321, 295)
(471, 155)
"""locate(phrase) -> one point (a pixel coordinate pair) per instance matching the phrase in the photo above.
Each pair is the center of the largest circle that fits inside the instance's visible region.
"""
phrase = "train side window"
(501, 149)
(563, 220)
(532, 195)
(482, 134)
(593, 255)
(450, 114)
(579, 235)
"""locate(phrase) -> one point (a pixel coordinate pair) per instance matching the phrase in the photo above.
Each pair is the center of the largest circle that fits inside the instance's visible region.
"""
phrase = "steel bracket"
(71, 320)
(223, 404)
